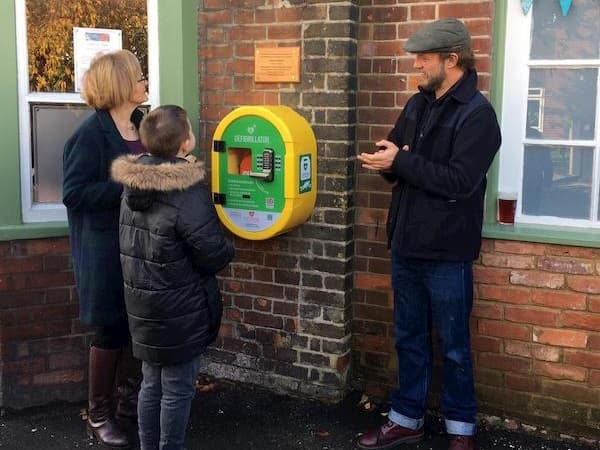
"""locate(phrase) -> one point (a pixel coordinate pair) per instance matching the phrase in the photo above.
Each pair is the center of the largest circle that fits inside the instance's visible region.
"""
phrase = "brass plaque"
(277, 64)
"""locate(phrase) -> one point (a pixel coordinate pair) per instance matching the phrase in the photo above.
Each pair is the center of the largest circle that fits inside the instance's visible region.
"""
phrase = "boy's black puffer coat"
(172, 245)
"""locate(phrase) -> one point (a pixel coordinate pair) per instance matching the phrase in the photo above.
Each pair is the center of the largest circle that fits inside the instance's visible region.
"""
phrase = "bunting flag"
(565, 5)
(526, 5)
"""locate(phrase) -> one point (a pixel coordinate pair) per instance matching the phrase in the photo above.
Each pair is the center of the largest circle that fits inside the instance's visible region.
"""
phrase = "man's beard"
(434, 82)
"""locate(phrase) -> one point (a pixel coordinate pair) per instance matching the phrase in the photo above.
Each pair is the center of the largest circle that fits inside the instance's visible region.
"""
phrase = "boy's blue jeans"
(440, 294)
(164, 403)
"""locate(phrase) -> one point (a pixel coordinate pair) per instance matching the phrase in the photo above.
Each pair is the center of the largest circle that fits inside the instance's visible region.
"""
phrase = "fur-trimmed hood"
(145, 176)
(149, 173)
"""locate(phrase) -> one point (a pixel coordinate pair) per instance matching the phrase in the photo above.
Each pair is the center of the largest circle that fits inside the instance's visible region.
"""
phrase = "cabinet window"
(49, 108)
(49, 124)
(551, 142)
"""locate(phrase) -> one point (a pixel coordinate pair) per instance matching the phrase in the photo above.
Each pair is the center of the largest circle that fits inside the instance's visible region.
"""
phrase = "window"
(550, 113)
(49, 108)
(535, 109)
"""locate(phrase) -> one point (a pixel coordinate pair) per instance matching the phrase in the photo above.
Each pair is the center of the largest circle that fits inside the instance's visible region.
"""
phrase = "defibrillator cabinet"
(264, 171)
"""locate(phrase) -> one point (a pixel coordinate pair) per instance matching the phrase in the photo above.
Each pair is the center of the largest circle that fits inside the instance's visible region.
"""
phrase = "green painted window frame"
(178, 84)
(582, 237)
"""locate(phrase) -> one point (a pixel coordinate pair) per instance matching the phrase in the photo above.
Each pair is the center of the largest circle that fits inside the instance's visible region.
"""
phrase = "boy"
(172, 245)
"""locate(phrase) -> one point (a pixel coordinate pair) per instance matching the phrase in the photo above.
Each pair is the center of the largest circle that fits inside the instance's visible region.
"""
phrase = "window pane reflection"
(557, 181)
(50, 36)
(562, 103)
(575, 36)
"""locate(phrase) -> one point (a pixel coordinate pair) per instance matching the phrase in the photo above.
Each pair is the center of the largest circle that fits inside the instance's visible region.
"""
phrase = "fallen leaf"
(206, 387)
(205, 383)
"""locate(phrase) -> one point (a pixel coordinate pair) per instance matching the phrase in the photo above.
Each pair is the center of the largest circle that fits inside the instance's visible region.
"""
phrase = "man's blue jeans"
(164, 403)
(440, 294)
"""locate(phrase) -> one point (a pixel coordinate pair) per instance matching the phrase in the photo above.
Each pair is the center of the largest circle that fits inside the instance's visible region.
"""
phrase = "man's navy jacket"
(438, 197)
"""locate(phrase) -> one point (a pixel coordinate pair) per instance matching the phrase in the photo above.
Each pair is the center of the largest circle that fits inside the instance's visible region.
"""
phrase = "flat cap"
(444, 35)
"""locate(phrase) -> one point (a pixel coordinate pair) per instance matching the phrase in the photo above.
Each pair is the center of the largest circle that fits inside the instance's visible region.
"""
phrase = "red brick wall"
(295, 305)
(536, 319)
(43, 347)
(537, 330)
(287, 299)
(536, 333)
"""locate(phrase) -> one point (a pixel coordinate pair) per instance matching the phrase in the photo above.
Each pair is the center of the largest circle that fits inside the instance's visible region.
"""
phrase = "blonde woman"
(114, 86)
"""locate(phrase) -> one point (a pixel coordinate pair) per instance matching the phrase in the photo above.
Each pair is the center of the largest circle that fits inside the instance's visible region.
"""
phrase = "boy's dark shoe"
(388, 436)
(461, 442)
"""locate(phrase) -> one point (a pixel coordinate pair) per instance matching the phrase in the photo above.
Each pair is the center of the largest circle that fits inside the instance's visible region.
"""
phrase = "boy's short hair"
(111, 79)
(164, 129)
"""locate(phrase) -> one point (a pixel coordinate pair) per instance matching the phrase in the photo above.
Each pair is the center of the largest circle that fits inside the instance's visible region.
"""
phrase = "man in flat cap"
(436, 158)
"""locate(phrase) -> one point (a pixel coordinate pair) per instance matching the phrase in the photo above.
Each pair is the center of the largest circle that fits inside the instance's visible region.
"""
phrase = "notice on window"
(87, 43)
(277, 65)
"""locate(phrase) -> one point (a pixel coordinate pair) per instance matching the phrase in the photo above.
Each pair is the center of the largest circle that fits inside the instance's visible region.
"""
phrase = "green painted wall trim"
(33, 231)
(498, 44)
(178, 56)
(10, 180)
(580, 237)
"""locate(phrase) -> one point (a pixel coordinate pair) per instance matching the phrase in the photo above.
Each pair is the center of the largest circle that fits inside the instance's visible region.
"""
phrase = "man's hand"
(383, 158)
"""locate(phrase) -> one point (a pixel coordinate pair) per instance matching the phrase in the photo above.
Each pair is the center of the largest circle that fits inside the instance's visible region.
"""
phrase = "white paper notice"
(88, 42)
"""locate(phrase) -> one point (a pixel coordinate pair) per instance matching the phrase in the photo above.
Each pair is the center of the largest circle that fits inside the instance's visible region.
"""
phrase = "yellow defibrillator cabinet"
(264, 171)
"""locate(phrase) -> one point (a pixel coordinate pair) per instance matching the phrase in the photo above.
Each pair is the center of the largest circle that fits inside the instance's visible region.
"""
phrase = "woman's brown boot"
(101, 423)
(129, 377)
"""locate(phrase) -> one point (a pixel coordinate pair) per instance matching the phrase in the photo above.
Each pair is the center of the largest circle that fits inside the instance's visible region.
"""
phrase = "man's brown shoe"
(461, 442)
(389, 435)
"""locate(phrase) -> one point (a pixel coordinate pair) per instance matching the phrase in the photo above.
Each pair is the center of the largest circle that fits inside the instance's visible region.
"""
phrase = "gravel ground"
(241, 417)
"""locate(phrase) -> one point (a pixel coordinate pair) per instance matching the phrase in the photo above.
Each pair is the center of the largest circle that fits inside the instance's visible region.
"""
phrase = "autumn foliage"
(50, 36)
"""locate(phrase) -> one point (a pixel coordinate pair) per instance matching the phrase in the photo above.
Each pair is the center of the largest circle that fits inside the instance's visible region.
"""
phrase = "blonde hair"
(111, 79)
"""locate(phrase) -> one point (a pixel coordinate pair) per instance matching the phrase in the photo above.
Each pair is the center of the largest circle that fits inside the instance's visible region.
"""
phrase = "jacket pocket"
(392, 216)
